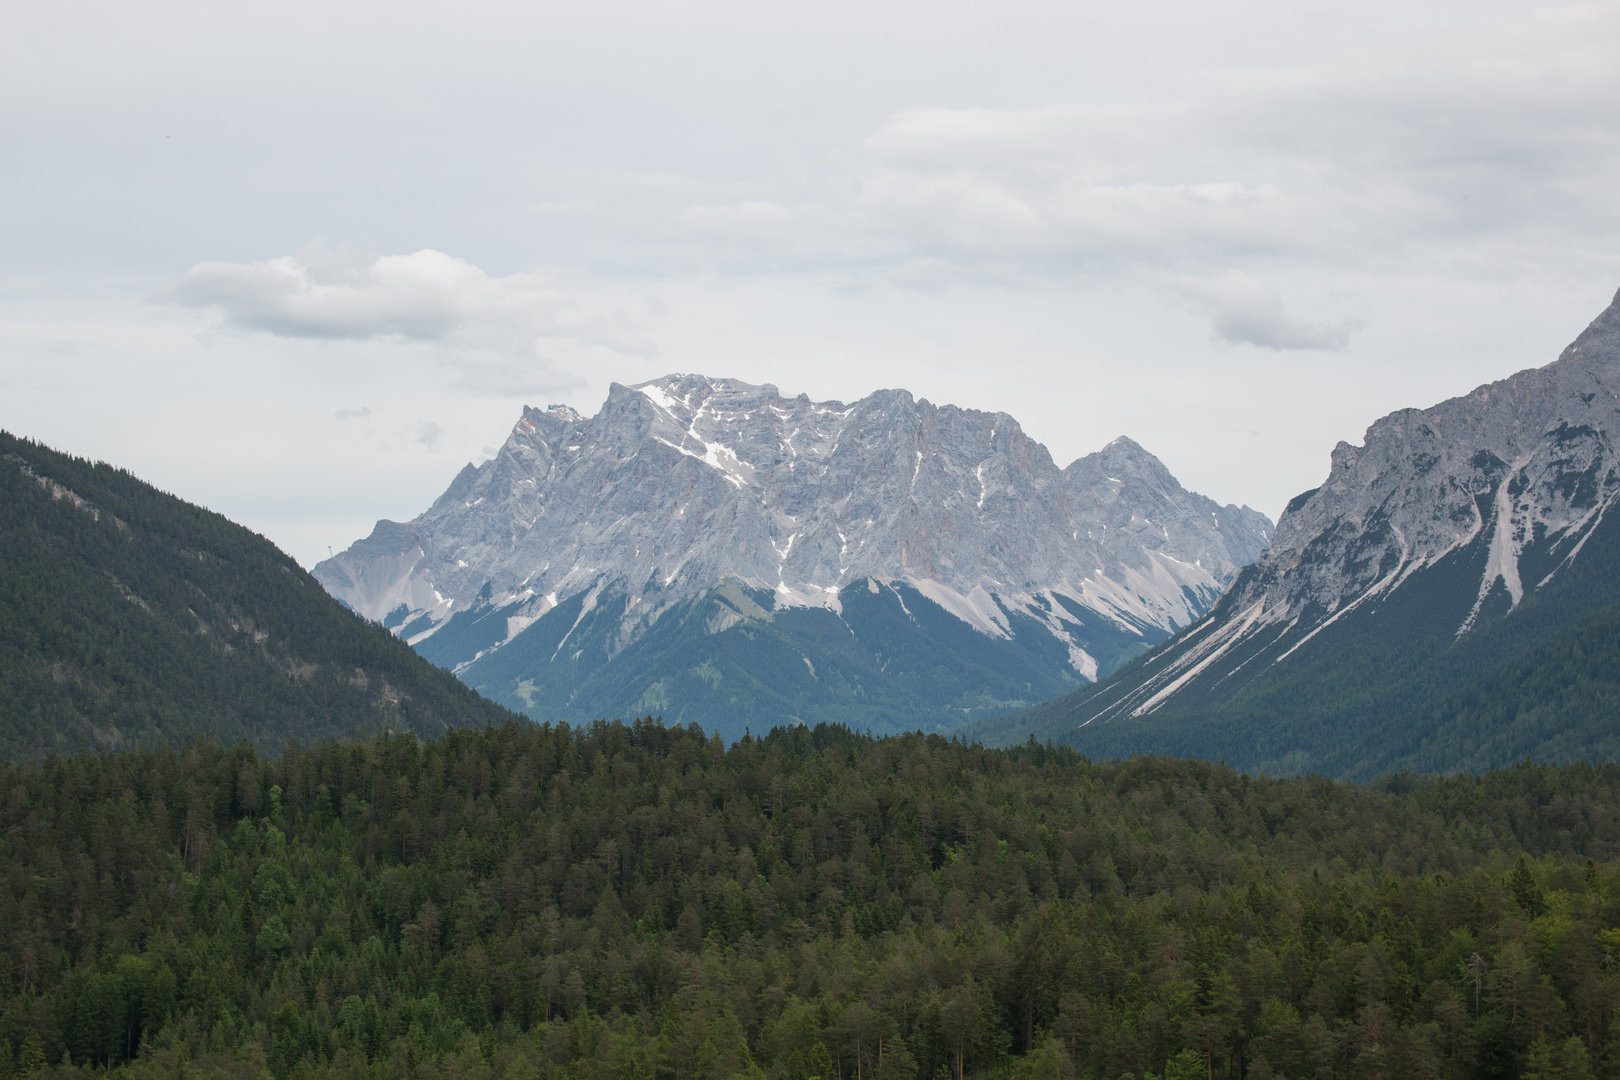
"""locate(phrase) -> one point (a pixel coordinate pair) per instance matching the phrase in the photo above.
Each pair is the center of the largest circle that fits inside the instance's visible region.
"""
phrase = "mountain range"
(1446, 599)
(713, 553)
(710, 551)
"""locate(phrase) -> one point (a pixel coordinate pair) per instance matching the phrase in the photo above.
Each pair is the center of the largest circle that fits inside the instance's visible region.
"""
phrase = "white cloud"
(501, 334)
(1471, 155)
(1067, 187)
(352, 414)
(428, 434)
(1462, 148)
(1244, 310)
(1343, 166)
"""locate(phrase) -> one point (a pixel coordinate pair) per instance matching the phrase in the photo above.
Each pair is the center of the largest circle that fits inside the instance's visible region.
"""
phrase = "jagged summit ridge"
(1512, 479)
(684, 482)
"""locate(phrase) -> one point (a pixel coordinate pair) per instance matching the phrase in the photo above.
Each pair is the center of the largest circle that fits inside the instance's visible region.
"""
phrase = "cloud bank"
(1471, 156)
(1461, 149)
(1243, 310)
(501, 334)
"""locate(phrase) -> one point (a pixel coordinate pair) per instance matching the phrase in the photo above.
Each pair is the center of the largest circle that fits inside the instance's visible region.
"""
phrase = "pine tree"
(31, 1054)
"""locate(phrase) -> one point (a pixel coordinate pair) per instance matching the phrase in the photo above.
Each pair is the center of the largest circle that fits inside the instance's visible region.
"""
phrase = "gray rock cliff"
(680, 484)
(1509, 481)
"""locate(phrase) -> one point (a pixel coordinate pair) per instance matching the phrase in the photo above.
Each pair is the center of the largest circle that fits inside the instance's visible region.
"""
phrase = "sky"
(299, 262)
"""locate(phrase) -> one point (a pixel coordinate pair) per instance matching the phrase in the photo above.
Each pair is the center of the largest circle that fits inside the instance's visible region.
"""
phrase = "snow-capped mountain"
(630, 520)
(1424, 547)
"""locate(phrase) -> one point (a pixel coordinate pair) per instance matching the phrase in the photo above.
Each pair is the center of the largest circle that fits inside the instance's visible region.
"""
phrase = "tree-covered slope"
(129, 617)
(1558, 702)
(645, 903)
(889, 660)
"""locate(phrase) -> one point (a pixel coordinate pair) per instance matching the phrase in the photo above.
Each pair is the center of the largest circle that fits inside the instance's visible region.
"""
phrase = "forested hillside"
(129, 617)
(1559, 702)
(642, 902)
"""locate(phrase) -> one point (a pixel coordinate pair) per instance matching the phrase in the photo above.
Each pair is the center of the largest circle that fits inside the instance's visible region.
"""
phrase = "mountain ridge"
(683, 484)
(129, 617)
(1454, 539)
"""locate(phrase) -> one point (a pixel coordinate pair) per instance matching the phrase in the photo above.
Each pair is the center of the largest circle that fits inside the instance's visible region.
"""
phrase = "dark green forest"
(889, 660)
(131, 617)
(1558, 702)
(555, 903)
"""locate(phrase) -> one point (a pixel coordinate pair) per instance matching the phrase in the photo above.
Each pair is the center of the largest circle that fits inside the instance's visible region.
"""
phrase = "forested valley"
(641, 902)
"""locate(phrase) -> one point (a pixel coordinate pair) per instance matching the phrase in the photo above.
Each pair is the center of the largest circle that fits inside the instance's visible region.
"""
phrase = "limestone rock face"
(1498, 490)
(684, 483)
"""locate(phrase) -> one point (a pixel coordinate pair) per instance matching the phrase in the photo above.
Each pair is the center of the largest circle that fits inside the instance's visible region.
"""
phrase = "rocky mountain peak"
(1500, 488)
(684, 482)
(1415, 490)
(1599, 340)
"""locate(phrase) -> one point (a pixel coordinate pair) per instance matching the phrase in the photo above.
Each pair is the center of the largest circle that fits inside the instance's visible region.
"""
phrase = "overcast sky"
(301, 261)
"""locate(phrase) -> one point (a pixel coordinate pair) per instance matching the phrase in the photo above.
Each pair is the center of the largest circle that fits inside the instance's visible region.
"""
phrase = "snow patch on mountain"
(685, 482)
(1524, 463)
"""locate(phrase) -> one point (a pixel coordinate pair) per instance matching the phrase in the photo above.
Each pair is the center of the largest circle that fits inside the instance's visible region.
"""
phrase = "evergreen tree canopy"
(129, 617)
(555, 903)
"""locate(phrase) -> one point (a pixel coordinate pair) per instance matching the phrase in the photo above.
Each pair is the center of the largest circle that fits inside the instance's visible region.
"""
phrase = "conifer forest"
(641, 902)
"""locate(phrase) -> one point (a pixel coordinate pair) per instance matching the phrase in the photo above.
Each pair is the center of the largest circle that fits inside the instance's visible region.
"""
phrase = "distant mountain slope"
(887, 660)
(1559, 702)
(1418, 578)
(710, 551)
(130, 617)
